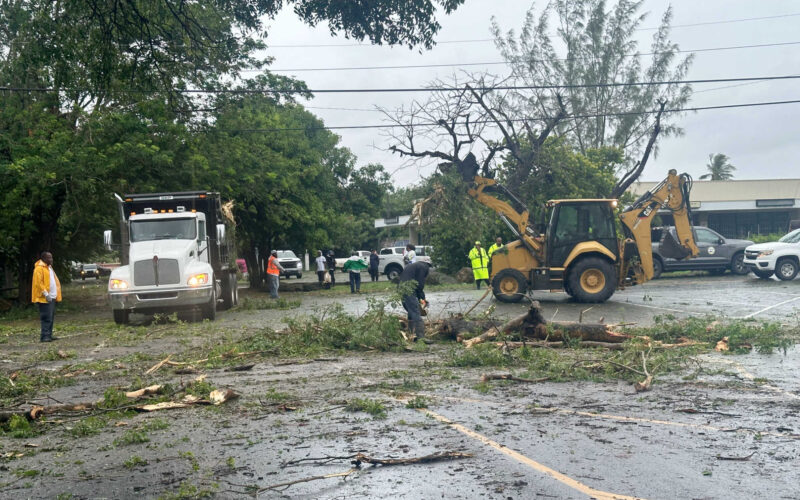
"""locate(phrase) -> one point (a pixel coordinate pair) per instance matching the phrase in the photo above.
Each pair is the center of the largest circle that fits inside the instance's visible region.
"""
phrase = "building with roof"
(741, 208)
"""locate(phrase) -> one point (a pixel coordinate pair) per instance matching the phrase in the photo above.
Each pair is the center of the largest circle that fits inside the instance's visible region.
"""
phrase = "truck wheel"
(299, 275)
(509, 285)
(235, 290)
(393, 272)
(227, 291)
(737, 264)
(658, 267)
(209, 311)
(786, 269)
(592, 279)
(764, 275)
(121, 316)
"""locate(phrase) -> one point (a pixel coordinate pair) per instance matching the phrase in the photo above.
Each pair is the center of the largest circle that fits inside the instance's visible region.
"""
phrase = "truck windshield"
(163, 229)
(793, 237)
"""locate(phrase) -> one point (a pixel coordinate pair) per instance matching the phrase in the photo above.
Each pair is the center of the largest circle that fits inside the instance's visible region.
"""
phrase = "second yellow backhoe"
(581, 251)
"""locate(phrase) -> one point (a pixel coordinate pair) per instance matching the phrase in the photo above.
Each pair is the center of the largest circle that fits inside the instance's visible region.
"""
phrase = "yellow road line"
(562, 478)
(606, 416)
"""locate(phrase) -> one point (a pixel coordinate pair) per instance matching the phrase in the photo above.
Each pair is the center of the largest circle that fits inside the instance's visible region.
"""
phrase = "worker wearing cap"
(497, 245)
(480, 264)
(274, 269)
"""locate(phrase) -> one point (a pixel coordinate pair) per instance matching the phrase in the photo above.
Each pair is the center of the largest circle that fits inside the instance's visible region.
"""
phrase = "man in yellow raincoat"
(45, 292)
(480, 265)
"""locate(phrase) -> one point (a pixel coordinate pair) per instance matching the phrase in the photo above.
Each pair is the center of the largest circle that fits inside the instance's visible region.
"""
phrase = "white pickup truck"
(363, 254)
(781, 258)
(391, 259)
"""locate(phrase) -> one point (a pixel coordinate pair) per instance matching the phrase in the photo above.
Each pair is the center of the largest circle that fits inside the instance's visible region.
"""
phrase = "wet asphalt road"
(549, 440)
(727, 296)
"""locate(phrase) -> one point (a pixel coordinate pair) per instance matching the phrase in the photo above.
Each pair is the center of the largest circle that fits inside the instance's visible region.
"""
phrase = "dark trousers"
(478, 283)
(47, 314)
(321, 276)
(355, 282)
(415, 323)
(333, 278)
(373, 273)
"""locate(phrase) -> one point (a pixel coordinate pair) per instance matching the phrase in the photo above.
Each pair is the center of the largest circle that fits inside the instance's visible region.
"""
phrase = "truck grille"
(750, 254)
(144, 272)
(290, 265)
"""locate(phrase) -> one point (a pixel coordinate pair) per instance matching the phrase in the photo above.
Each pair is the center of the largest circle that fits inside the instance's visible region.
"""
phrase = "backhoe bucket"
(671, 248)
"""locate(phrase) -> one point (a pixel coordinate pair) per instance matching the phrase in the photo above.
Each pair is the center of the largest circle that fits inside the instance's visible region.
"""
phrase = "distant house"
(741, 208)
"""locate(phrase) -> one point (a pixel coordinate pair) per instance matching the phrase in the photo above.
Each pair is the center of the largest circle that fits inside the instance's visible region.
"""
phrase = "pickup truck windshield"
(793, 237)
(163, 229)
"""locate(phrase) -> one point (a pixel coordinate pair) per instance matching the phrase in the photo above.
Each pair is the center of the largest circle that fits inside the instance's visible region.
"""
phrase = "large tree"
(719, 168)
(590, 58)
(71, 68)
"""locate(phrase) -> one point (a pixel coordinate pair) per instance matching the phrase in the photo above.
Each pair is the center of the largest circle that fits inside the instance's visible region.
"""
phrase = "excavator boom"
(671, 193)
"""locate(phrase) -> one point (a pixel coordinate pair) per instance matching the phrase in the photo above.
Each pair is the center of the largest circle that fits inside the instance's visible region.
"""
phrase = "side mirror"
(721, 241)
(107, 239)
(220, 234)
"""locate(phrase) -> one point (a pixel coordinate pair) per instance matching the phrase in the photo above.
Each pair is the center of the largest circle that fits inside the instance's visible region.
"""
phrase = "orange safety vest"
(271, 267)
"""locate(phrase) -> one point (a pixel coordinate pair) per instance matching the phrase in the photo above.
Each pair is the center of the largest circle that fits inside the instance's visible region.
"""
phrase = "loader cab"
(573, 222)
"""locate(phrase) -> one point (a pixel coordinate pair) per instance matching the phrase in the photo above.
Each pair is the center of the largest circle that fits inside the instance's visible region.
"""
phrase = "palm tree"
(719, 168)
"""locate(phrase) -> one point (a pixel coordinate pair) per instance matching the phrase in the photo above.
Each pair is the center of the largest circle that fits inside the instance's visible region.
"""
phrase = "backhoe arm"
(516, 218)
(672, 193)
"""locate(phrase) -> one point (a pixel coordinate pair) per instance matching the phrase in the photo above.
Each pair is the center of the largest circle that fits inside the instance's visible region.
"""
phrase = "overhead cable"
(483, 40)
(506, 63)
(409, 89)
(520, 120)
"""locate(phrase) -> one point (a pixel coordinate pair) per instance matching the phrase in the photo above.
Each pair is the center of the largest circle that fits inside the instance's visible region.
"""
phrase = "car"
(364, 254)
(90, 271)
(781, 258)
(391, 259)
(291, 263)
(717, 253)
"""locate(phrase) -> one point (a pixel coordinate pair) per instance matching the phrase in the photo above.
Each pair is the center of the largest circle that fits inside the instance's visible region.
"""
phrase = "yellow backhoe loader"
(581, 251)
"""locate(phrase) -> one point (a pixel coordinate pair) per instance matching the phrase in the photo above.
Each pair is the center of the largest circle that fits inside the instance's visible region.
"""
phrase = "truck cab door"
(202, 241)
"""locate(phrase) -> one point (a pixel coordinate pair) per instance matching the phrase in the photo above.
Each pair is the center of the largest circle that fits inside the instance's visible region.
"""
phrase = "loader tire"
(592, 279)
(509, 285)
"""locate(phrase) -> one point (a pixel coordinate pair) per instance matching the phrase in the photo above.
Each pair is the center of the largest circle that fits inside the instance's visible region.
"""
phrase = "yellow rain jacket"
(493, 249)
(41, 283)
(480, 263)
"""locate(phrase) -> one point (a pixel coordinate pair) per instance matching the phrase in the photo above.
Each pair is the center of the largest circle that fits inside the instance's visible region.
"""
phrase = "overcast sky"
(762, 142)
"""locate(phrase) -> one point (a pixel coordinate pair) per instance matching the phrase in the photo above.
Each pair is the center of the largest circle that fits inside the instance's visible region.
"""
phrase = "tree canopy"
(124, 95)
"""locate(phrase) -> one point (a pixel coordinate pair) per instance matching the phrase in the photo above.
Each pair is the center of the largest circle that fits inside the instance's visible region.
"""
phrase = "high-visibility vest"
(271, 267)
(480, 263)
(493, 249)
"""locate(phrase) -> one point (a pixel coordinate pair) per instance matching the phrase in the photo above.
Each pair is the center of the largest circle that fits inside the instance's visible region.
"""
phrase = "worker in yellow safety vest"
(497, 245)
(480, 264)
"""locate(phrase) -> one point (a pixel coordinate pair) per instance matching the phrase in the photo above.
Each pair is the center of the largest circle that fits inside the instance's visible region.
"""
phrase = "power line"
(494, 63)
(568, 117)
(483, 40)
(408, 89)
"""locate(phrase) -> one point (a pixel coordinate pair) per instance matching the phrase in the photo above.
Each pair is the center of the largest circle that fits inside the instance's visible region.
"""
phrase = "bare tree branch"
(633, 174)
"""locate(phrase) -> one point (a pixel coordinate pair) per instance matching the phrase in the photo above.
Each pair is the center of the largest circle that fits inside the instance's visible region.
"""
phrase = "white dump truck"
(177, 253)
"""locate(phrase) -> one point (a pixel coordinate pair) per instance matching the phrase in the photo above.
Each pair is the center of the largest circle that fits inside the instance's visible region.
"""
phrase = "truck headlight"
(117, 285)
(765, 253)
(198, 279)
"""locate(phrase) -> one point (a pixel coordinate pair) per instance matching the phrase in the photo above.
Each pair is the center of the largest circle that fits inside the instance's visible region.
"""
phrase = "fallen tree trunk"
(533, 325)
